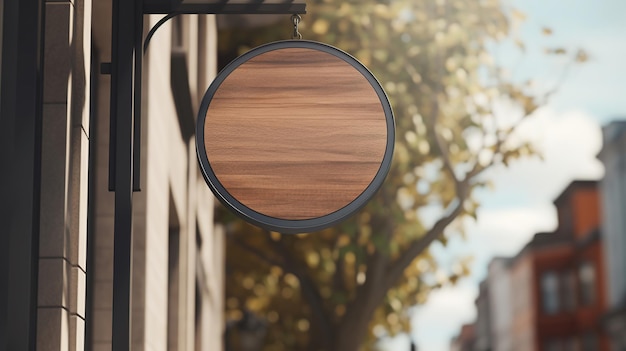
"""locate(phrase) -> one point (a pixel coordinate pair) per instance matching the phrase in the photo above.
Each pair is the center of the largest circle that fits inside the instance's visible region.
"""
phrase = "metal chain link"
(295, 19)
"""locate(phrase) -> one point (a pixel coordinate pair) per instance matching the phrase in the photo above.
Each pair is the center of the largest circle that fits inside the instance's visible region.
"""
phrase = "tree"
(330, 290)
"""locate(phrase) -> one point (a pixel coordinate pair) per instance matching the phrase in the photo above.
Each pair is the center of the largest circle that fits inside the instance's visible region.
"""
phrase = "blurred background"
(499, 227)
(526, 93)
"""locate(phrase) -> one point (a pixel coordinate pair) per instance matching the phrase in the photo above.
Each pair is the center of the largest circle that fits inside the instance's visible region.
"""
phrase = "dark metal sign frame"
(289, 226)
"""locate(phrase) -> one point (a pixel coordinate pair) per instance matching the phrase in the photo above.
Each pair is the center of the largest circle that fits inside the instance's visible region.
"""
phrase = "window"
(590, 342)
(550, 292)
(587, 279)
(572, 344)
(553, 345)
(568, 290)
(566, 344)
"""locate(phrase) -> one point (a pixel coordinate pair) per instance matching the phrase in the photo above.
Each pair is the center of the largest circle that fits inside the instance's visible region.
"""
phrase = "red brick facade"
(567, 278)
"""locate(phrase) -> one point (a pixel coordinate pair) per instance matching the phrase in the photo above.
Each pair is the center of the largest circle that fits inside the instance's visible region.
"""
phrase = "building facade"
(551, 295)
(523, 332)
(483, 323)
(177, 252)
(564, 276)
(613, 188)
(500, 311)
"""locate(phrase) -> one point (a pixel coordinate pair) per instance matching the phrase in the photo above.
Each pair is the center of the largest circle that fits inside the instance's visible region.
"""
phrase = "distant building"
(579, 215)
(558, 279)
(483, 318)
(465, 340)
(523, 331)
(613, 189)
(500, 301)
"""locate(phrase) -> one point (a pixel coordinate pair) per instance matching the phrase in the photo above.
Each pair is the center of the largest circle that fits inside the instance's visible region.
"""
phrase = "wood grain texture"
(295, 133)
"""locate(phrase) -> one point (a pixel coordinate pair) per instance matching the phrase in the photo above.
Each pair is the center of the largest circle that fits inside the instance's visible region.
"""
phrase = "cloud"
(567, 141)
(504, 231)
(438, 321)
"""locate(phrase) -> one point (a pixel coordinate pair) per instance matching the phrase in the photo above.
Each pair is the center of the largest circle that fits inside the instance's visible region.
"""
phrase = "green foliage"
(431, 58)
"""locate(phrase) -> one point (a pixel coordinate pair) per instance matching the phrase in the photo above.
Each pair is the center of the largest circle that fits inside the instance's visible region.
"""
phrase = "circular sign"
(295, 136)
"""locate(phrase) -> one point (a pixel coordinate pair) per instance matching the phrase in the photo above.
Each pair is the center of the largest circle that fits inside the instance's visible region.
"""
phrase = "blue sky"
(598, 26)
(567, 130)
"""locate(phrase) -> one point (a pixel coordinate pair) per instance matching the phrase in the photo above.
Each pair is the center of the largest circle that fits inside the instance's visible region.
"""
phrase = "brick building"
(551, 295)
(563, 273)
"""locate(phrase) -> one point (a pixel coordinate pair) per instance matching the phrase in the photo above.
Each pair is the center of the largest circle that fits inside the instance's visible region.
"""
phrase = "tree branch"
(441, 144)
(397, 268)
(359, 310)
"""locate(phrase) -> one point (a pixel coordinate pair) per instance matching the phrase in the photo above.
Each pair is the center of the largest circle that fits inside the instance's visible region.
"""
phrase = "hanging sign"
(295, 136)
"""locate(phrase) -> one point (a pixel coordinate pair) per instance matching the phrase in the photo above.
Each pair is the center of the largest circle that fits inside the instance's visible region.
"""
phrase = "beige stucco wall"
(173, 193)
(65, 150)
(522, 326)
(173, 180)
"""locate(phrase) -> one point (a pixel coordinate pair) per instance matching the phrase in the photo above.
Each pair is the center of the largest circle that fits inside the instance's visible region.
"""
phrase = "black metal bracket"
(224, 7)
(136, 58)
(127, 27)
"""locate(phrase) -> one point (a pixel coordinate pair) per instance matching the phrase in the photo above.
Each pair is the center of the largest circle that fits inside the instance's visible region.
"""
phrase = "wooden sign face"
(294, 136)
